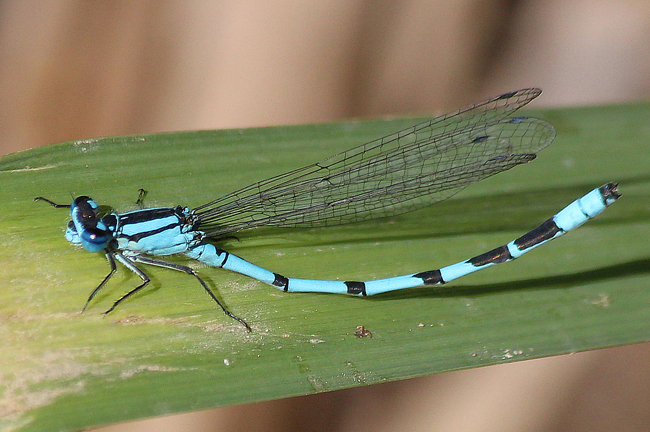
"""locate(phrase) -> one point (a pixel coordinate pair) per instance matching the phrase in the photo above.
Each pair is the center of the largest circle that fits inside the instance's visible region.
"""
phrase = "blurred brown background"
(72, 69)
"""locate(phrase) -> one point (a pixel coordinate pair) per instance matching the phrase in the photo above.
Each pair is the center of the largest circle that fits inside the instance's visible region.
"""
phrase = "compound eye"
(94, 239)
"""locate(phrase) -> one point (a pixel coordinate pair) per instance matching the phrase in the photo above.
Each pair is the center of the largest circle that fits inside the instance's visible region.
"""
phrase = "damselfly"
(401, 172)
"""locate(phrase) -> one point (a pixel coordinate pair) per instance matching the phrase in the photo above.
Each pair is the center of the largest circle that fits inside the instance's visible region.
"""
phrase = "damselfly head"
(86, 226)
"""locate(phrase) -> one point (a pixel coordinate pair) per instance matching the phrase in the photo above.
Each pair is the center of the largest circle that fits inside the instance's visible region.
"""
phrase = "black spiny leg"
(111, 261)
(130, 264)
(140, 201)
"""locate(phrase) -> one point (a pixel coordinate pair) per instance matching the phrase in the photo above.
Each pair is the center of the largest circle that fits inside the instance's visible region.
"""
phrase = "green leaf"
(169, 349)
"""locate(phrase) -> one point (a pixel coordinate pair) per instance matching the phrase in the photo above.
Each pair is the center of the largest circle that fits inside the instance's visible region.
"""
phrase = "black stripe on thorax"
(139, 236)
(145, 215)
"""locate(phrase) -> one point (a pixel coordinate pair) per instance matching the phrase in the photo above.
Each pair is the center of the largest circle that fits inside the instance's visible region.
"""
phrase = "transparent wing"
(401, 172)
